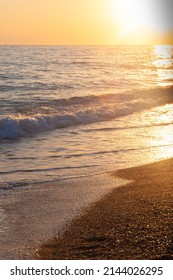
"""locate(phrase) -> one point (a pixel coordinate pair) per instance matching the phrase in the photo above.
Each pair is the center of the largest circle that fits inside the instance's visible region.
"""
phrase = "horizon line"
(80, 45)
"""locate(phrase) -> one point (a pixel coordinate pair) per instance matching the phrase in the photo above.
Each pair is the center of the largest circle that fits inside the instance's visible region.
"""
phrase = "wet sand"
(131, 222)
(30, 215)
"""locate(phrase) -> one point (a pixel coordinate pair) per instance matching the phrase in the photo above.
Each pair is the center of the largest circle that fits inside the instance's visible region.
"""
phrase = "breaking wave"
(79, 111)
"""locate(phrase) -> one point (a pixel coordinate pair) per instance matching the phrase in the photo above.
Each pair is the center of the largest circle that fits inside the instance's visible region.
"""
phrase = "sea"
(70, 116)
(77, 111)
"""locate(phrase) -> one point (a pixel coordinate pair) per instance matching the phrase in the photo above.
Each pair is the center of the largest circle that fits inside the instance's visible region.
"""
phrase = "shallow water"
(39, 212)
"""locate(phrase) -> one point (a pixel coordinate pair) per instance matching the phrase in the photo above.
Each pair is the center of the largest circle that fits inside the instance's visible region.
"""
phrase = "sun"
(130, 16)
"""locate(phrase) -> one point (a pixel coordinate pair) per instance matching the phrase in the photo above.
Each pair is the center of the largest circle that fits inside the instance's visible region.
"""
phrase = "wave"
(79, 111)
(45, 169)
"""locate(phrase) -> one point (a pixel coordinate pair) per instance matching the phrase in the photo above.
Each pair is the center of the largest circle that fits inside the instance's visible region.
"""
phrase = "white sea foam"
(77, 111)
(12, 127)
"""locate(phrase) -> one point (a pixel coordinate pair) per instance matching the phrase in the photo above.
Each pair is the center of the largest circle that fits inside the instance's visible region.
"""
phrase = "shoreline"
(35, 213)
(131, 222)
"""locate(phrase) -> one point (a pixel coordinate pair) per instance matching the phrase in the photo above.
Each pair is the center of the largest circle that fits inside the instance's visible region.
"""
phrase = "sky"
(86, 22)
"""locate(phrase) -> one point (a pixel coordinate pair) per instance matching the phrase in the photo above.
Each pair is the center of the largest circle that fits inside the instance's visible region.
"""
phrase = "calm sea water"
(70, 111)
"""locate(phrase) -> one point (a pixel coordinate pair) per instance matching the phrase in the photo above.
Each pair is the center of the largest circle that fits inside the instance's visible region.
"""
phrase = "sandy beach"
(130, 222)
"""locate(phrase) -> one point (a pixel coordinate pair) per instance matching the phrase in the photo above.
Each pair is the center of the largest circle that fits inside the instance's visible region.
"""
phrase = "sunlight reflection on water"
(164, 64)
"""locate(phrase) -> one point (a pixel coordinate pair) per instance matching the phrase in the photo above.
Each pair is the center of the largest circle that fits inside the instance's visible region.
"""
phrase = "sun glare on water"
(164, 133)
(163, 64)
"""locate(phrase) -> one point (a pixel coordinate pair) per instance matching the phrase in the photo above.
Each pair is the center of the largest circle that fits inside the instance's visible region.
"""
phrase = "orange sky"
(91, 22)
